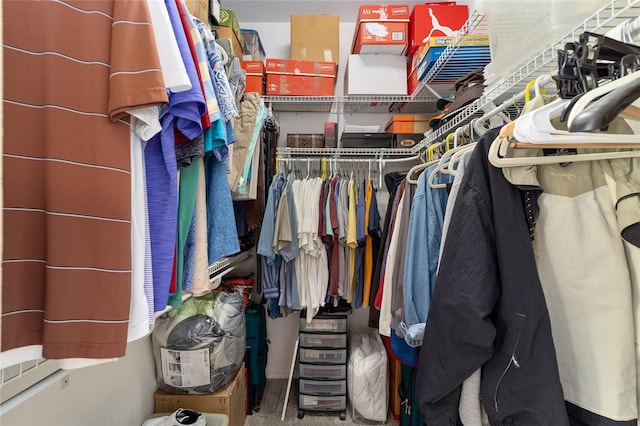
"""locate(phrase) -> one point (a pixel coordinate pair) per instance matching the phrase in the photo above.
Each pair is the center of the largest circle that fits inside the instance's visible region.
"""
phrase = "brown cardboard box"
(315, 37)
(227, 32)
(199, 9)
(230, 401)
(228, 19)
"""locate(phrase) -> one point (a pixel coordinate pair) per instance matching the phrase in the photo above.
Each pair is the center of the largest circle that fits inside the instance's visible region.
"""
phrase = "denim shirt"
(271, 261)
(423, 249)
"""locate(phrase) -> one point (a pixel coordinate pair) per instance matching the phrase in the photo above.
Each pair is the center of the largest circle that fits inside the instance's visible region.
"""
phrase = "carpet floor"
(271, 410)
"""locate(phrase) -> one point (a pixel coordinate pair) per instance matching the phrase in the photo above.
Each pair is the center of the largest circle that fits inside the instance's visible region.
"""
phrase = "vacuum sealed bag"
(200, 347)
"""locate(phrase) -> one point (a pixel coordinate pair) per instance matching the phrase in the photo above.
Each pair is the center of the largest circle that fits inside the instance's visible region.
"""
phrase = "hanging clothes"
(46, 265)
(593, 329)
(488, 309)
(422, 248)
(270, 260)
(314, 215)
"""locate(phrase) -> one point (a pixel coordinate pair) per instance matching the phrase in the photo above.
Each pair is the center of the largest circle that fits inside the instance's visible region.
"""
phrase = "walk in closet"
(528, 325)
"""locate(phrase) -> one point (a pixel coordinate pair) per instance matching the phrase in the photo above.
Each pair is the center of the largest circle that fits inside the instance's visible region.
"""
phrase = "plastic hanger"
(499, 161)
(590, 96)
(443, 164)
(604, 110)
(420, 167)
(457, 156)
(536, 128)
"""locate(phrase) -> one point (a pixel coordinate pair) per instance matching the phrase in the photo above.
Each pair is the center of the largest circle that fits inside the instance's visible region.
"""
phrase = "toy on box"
(381, 29)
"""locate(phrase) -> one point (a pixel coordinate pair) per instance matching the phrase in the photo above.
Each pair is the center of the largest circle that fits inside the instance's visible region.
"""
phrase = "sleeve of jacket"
(460, 330)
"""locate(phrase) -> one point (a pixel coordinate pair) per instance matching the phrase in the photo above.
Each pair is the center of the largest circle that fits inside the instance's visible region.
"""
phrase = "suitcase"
(409, 411)
(257, 348)
(305, 140)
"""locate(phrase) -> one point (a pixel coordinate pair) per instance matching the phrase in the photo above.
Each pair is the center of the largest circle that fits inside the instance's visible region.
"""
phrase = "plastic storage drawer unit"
(323, 340)
(323, 372)
(323, 356)
(322, 403)
(323, 387)
(324, 325)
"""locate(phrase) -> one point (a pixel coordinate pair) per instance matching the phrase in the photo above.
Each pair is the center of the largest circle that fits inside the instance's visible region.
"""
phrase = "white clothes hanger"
(426, 162)
(457, 156)
(498, 161)
(535, 128)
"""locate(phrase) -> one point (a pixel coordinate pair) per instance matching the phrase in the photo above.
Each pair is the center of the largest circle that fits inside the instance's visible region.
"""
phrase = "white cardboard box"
(376, 74)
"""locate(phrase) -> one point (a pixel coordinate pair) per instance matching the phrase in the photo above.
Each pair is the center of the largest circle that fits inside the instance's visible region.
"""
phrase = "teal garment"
(188, 189)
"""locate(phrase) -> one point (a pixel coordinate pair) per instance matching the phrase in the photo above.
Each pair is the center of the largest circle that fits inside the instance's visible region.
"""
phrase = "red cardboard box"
(300, 67)
(287, 77)
(382, 37)
(382, 29)
(435, 20)
(255, 76)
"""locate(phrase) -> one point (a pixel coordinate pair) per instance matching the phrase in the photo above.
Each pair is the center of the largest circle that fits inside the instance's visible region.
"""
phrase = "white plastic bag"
(368, 378)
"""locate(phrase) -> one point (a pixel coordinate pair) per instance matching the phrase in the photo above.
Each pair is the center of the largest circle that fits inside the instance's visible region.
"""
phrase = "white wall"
(113, 394)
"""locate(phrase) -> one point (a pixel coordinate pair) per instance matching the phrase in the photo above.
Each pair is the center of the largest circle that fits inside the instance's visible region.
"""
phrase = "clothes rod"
(520, 97)
(348, 160)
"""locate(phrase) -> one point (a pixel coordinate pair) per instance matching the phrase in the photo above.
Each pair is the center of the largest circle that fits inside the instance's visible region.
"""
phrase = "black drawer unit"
(322, 364)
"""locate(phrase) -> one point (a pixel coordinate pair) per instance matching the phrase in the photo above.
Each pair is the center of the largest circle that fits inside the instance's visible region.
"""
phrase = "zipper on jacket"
(513, 360)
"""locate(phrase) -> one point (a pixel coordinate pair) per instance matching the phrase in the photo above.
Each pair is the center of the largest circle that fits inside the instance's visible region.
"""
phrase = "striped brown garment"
(72, 70)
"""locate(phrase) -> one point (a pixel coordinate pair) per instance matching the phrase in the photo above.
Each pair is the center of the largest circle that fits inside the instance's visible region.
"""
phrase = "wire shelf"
(347, 104)
(445, 69)
(544, 62)
(285, 152)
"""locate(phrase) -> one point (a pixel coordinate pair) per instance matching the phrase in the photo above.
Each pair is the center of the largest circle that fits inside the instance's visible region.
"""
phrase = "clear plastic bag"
(368, 377)
(200, 347)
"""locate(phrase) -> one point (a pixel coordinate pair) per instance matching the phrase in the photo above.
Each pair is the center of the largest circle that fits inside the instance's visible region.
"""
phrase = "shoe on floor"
(180, 417)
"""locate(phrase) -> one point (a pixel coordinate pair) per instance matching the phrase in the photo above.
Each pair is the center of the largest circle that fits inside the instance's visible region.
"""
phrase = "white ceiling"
(279, 10)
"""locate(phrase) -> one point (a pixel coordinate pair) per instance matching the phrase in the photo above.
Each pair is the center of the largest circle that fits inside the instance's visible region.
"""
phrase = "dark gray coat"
(488, 309)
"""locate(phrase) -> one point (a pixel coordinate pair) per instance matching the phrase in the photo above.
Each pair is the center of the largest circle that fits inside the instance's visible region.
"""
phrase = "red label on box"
(253, 67)
(299, 67)
(435, 20)
(299, 85)
(383, 12)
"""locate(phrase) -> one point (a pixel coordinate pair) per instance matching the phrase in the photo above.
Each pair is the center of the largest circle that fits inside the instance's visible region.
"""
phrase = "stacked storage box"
(377, 64)
(323, 364)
